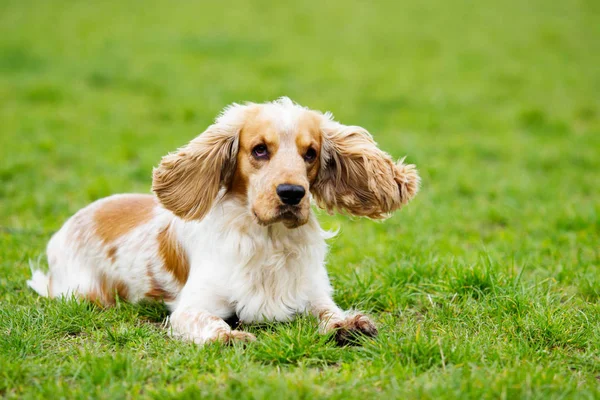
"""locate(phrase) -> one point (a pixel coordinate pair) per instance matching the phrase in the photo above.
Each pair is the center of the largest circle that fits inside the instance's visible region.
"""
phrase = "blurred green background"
(486, 285)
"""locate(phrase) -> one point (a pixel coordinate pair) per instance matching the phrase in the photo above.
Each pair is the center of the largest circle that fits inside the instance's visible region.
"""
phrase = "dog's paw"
(235, 336)
(347, 331)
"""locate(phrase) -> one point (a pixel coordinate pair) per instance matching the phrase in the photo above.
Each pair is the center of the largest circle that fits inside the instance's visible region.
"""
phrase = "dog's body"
(230, 231)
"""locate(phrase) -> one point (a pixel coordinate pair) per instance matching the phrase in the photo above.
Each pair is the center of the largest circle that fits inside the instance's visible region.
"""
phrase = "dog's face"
(277, 162)
(275, 157)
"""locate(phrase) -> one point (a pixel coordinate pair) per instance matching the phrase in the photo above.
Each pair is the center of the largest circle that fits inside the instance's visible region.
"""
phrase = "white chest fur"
(260, 273)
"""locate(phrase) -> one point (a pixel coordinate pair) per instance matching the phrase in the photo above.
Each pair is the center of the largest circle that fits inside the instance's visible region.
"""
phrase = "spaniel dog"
(229, 230)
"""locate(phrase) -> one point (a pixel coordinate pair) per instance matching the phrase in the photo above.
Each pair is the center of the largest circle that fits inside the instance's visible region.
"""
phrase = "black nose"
(290, 194)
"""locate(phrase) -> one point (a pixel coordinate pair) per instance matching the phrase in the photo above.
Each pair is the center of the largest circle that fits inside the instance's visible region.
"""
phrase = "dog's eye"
(310, 155)
(260, 152)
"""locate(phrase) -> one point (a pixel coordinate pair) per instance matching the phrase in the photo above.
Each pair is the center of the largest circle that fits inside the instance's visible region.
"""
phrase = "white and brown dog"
(231, 230)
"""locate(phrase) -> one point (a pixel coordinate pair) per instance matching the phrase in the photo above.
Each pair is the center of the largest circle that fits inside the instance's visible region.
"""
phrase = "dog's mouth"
(290, 219)
(290, 216)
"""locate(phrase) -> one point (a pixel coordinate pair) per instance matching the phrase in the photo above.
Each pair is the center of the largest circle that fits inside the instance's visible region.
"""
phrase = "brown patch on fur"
(174, 257)
(156, 291)
(309, 136)
(111, 253)
(118, 216)
(107, 290)
(121, 289)
(254, 132)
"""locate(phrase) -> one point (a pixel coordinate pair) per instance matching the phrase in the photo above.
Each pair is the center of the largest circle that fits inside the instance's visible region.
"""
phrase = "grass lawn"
(486, 286)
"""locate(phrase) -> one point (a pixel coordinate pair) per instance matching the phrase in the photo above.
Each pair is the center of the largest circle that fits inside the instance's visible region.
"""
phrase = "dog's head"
(273, 156)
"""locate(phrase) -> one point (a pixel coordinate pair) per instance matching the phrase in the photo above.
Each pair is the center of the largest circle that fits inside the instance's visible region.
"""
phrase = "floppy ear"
(187, 181)
(357, 177)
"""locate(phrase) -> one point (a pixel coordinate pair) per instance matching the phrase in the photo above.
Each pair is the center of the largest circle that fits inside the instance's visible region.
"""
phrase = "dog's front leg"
(347, 325)
(203, 327)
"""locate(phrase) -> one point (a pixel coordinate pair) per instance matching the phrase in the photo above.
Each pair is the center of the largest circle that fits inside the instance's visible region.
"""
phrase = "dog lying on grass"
(230, 230)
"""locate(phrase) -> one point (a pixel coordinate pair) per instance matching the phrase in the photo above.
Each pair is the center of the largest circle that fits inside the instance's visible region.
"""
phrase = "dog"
(230, 230)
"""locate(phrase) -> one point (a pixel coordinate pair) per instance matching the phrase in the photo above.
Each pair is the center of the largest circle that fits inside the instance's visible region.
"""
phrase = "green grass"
(486, 286)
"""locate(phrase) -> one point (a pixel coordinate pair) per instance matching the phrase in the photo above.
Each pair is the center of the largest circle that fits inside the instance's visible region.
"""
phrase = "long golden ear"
(188, 181)
(359, 178)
